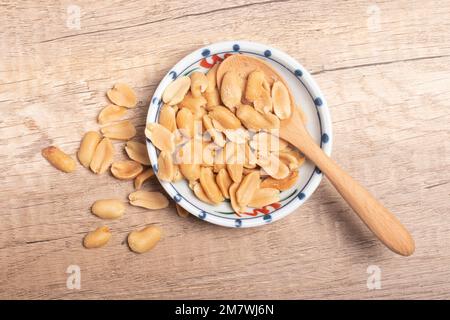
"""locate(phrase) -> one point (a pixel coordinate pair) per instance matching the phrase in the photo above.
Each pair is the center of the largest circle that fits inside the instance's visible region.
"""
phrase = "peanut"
(209, 185)
(281, 100)
(264, 197)
(97, 238)
(103, 156)
(199, 83)
(144, 240)
(160, 136)
(176, 90)
(124, 130)
(138, 152)
(185, 122)
(254, 120)
(122, 95)
(142, 177)
(273, 166)
(111, 113)
(255, 84)
(165, 166)
(148, 200)
(108, 208)
(59, 159)
(231, 89)
(234, 204)
(225, 117)
(224, 182)
(281, 184)
(87, 147)
(125, 170)
(167, 117)
(247, 188)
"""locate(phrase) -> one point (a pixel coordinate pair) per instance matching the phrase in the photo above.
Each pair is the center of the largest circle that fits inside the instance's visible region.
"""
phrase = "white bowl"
(307, 95)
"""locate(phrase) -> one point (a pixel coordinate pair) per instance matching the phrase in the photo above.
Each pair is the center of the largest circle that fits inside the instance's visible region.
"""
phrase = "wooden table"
(384, 68)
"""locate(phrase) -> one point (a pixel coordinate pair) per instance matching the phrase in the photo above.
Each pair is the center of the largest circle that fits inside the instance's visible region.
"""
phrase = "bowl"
(307, 95)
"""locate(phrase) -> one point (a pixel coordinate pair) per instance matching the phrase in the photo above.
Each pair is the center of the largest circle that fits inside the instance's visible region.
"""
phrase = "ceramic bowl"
(307, 95)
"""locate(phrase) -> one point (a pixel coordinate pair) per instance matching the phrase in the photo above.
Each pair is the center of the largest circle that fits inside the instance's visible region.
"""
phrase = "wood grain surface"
(384, 69)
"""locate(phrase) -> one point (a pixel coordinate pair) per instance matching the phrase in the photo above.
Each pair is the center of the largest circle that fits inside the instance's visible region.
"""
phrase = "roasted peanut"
(124, 130)
(142, 177)
(225, 117)
(108, 208)
(199, 83)
(281, 100)
(193, 103)
(255, 84)
(97, 238)
(167, 117)
(255, 120)
(127, 169)
(224, 182)
(87, 147)
(273, 166)
(247, 188)
(103, 156)
(111, 113)
(138, 152)
(209, 185)
(200, 192)
(216, 136)
(176, 90)
(148, 200)
(234, 204)
(122, 95)
(231, 89)
(59, 159)
(182, 212)
(185, 122)
(144, 240)
(160, 136)
(165, 166)
(281, 184)
(263, 103)
(264, 197)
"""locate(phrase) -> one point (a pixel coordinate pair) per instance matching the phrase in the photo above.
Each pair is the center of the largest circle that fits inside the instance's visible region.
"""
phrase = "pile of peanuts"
(96, 152)
(222, 137)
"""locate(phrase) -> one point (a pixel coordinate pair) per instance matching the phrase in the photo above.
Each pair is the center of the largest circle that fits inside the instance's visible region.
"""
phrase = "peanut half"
(234, 204)
(199, 83)
(138, 152)
(167, 117)
(142, 177)
(264, 197)
(103, 156)
(225, 117)
(126, 170)
(165, 166)
(160, 136)
(97, 238)
(281, 100)
(108, 208)
(247, 188)
(176, 90)
(231, 89)
(124, 130)
(148, 200)
(182, 212)
(281, 184)
(111, 113)
(122, 95)
(185, 122)
(224, 182)
(209, 185)
(87, 147)
(144, 240)
(59, 159)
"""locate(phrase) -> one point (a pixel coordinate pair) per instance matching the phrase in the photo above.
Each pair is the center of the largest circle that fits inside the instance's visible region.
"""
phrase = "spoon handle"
(377, 218)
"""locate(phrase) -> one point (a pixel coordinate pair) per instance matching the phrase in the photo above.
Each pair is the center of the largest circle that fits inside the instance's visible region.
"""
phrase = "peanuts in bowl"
(212, 132)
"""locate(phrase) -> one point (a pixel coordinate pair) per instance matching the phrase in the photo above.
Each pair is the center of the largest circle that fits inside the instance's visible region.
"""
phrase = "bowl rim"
(305, 78)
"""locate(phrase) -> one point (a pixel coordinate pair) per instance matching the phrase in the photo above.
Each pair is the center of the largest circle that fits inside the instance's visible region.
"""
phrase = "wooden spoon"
(377, 218)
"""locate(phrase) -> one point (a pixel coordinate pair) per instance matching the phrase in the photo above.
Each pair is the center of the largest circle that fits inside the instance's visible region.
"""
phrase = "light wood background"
(384, 67)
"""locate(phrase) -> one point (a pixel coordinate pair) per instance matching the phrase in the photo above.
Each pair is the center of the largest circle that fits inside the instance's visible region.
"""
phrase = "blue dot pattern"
(177, 197)
(236, 47)
(325, 138)
(267, 218)
(206, 52)
(202, 215)
(318, 102)
(173, 74)
(301, 196)
(267, 53)
(155, 168)
(318, 171)
(238, 223)
(298, 73)
(155, 100)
